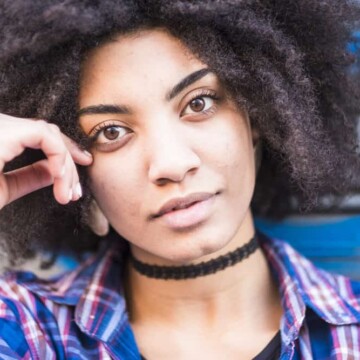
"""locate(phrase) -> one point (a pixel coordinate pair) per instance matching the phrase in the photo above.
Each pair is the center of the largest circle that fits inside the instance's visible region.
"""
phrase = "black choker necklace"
(201, 269)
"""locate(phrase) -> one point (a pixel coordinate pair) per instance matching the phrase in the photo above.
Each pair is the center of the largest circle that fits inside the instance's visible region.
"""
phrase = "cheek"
(234, 156)
(235, 162)
(231, 150)
(115, 187)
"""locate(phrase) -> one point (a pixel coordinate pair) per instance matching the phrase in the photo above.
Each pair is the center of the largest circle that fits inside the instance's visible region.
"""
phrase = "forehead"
(149, 60)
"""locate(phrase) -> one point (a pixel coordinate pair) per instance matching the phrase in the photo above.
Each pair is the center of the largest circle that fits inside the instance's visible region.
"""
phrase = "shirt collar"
(95, 290)
(101, 310)
(65, 289)
(302, 285)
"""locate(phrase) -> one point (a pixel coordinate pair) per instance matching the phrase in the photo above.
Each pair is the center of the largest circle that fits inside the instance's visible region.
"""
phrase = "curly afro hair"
(285, 62)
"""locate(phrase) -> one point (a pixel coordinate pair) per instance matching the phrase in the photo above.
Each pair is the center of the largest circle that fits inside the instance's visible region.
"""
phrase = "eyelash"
(202, 94)
(106, 147)
(95, 132)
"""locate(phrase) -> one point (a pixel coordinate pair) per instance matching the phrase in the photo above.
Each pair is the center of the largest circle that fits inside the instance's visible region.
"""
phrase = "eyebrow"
(187, 81)
(123, 110)
(103, 109)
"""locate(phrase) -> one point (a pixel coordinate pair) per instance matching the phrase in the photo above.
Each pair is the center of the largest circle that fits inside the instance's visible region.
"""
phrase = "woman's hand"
(58, 168)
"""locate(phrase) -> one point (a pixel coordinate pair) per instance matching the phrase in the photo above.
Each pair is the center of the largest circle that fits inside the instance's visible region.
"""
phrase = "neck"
(244, 291)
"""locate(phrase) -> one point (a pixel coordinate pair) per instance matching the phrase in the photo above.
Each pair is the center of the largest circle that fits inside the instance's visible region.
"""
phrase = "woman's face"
(163, 128)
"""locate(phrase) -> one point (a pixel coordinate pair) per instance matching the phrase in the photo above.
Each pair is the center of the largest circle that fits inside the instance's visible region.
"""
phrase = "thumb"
(25, 180)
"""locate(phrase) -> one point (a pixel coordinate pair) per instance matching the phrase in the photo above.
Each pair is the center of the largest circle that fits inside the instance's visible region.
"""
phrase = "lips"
(182, 203)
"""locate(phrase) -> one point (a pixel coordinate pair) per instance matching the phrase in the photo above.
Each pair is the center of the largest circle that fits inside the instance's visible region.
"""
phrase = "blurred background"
(331, 241)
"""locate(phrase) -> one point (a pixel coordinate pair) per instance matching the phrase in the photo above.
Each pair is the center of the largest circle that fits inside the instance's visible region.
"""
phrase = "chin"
(195, 253)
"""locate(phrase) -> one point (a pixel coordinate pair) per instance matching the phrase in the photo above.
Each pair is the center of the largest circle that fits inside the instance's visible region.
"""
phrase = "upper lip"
(182, 202)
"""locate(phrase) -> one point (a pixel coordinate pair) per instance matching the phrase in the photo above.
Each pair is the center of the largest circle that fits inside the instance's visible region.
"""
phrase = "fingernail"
(87, 153)
(78, 190)
(70, 194)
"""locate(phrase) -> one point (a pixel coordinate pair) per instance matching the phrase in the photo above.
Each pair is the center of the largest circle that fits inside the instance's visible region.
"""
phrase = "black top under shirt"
(270, 352)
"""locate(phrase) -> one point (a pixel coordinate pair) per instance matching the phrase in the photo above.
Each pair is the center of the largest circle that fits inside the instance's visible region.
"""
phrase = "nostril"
(162, 181)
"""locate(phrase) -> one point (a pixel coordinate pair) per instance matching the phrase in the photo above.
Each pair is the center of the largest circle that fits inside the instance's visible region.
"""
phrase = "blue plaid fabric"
(82, 314)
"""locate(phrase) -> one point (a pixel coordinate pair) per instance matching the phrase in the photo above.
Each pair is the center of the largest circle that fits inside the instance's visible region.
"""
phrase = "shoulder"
(334, 297)
(46, 313)
(36, 314)
(310, 275)
(321, 309)
(24, 317)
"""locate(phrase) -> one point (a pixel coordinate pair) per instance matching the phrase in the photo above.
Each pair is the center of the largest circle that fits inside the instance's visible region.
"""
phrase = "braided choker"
(201, 269)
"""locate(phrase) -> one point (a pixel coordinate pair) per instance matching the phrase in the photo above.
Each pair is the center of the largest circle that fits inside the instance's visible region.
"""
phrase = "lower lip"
(189, 217)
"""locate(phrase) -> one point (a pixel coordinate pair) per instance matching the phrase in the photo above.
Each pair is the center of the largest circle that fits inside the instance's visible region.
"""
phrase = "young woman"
(165, 107)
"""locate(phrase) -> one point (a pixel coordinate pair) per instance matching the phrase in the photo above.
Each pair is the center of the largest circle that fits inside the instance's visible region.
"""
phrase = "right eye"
(109, 136)
(111, 133)
(106, 133)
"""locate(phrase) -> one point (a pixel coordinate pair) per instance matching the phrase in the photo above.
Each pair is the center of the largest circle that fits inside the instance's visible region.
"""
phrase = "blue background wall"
(331, 242)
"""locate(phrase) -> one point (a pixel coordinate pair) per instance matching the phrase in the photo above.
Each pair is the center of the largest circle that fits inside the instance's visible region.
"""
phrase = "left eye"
(199, 104)
(110, 133)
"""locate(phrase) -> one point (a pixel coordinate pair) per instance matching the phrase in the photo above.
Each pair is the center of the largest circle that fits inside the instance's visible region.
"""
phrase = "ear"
(97, 220)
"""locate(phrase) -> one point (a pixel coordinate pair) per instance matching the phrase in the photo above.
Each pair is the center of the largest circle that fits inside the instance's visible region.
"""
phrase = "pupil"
(111, 133)
(197, 104)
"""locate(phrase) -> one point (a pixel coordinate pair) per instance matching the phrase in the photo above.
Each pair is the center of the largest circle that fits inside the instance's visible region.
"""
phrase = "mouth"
(180, 213)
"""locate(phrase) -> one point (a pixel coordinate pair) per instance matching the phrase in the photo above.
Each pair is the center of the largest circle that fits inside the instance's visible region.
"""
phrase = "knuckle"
(42, 125)
(54, 128)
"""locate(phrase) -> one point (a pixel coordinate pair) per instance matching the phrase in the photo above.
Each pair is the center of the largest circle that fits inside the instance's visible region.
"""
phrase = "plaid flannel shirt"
(82, 313)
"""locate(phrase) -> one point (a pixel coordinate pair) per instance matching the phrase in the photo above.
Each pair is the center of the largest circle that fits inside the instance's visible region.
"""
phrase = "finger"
(76, 187)
(33, 177)
(36, 134)
(75, 184)
(77, 190)
(63, 186)
(60, 165)
(30, 178)
(46, 137)
(81, 157)
(67, 188)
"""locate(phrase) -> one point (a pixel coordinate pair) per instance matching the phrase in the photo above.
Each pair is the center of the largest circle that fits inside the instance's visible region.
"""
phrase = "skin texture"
(169, 150)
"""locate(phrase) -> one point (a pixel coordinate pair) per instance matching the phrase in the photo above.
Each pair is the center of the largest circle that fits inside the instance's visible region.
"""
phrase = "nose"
(171, 156)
